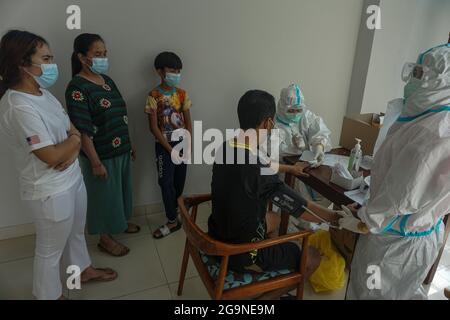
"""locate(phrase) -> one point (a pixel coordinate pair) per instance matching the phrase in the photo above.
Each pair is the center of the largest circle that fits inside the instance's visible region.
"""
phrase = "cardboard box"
(364, 127)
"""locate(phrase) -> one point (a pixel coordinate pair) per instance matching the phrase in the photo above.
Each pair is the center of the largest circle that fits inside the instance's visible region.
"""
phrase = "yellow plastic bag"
(330, 275)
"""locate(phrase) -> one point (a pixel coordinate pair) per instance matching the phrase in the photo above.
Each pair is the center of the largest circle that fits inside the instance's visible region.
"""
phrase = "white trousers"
(59, 221)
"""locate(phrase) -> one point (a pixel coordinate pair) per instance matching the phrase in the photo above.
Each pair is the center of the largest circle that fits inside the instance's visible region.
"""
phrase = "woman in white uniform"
(45, 146)
(409, 190)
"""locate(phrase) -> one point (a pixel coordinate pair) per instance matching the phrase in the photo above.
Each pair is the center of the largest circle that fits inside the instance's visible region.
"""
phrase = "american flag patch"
(33, 140)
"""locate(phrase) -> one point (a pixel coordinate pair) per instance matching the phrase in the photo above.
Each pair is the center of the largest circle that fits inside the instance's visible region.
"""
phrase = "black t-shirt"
(240, 195)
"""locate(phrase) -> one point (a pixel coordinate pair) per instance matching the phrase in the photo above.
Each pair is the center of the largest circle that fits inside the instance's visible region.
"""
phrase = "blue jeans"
(171, 179)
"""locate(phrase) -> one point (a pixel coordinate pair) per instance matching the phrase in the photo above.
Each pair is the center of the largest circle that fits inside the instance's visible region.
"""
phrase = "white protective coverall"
(303, 134)
(409, 193)
(307, 132)
(297, 133)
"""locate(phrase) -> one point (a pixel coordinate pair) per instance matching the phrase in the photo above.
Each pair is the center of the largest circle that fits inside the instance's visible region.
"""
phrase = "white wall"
(361, 62)
(227, 46)
(409, 28)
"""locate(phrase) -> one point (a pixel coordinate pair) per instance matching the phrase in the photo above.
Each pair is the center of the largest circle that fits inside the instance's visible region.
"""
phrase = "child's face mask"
(172, 79)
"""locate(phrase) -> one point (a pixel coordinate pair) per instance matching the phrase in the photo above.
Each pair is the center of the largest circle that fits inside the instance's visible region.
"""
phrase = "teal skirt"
(110, 202)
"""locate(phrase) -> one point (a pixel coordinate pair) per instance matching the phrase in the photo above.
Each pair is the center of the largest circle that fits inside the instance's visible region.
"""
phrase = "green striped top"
(100, 112)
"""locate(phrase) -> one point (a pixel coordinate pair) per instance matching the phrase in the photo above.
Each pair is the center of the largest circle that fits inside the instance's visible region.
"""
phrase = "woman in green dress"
(98, 111)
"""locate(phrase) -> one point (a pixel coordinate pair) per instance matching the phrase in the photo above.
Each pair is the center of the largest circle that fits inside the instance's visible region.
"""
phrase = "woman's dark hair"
(168, 60)
(16, 49)
(254, 107)
(82, 44)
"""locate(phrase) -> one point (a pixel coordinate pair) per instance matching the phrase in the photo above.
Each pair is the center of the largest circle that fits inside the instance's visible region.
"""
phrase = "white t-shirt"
(30, 123)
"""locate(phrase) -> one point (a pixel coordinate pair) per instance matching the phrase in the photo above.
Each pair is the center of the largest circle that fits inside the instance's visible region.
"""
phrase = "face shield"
(427, 83)
(417, 71)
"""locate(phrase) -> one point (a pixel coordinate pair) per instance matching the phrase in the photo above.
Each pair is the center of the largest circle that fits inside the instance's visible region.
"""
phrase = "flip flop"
(118, 250)
(104, 277)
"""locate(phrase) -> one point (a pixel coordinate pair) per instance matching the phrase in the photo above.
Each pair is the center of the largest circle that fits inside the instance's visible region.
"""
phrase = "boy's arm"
(293, 203)
(153, 124)
(188, 121)
(325, 213)
(297, 169)
(150, 109)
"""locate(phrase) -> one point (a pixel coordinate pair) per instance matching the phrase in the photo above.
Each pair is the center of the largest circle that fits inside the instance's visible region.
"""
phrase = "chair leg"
(221, 278)
(184, 265)
(303, 267)
(300, 288)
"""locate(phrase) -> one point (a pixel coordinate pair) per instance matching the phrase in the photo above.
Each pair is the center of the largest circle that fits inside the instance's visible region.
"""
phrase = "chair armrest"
(195, 200)
(234, 249)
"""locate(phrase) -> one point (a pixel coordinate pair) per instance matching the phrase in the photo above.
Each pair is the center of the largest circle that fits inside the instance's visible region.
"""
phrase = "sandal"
(134, 228)
(108, 275)
(117, 250)
(164, 230)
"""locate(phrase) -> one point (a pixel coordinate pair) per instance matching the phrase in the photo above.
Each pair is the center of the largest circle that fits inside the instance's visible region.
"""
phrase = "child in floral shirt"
(168, 110)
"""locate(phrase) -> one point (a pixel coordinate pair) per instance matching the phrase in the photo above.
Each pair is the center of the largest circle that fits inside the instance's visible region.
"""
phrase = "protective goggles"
(414, 70)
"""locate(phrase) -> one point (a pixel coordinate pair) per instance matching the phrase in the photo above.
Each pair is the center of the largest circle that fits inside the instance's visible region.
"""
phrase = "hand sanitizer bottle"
(355, 157)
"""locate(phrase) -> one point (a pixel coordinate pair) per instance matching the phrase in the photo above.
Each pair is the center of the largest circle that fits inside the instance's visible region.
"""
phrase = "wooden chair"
(199, 244)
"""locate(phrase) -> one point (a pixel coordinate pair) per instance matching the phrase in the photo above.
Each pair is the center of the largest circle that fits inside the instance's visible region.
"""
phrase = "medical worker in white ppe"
(45, 147)
(300, 129)
(410, 189)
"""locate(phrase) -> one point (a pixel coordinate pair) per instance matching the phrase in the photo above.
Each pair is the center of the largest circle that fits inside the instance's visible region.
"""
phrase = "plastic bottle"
(355, 157)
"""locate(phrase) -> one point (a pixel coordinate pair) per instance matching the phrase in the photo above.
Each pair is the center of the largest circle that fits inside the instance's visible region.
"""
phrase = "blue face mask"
(49, 75)
(411, 87)
(172, 79)
(100, 65)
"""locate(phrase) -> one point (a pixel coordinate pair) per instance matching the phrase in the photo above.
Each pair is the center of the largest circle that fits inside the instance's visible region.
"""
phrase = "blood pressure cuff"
(288, 200)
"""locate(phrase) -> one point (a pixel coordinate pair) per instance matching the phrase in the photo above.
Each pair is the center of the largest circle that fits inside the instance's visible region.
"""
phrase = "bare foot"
(132, 228)
(98, 274)
(111, 246)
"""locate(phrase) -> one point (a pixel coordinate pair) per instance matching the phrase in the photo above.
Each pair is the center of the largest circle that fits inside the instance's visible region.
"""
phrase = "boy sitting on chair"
(242, 188)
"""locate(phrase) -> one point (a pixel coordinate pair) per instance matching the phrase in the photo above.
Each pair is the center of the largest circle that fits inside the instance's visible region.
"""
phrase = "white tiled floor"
(150, 271)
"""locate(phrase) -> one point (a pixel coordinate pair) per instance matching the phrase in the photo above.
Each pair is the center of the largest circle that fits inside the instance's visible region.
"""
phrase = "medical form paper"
(329, 160)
